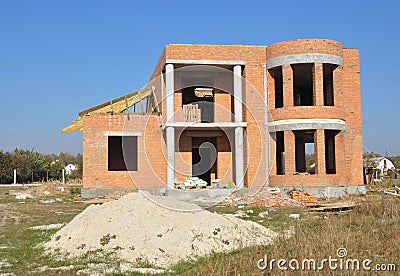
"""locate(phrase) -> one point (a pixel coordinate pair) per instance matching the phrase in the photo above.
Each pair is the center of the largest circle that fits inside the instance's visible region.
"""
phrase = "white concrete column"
(237, 92)
(170, 137)
(170, 131)
(239, 164)
(15, 177)
(169, 87)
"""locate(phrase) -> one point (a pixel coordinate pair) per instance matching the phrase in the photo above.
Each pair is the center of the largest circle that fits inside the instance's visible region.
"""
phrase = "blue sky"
(60, 57)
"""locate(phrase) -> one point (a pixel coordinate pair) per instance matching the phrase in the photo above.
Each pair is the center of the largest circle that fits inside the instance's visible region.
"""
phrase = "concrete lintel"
(299, 124)
(304, 58)
(122, 133)
(209, 133)
(205, 125)
(205, 62)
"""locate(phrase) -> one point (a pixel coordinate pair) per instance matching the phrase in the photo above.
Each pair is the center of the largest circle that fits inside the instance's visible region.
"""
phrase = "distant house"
(379, 163)
(376, 168)
(69, 168)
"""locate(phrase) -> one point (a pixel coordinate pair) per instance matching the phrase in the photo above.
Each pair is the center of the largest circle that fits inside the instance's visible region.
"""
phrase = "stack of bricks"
(303, 197)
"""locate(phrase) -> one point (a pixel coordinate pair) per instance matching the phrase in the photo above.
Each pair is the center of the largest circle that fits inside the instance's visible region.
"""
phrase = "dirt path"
(10, 216)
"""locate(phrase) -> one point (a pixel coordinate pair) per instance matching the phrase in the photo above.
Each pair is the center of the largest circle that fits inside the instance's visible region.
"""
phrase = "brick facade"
(259, 99)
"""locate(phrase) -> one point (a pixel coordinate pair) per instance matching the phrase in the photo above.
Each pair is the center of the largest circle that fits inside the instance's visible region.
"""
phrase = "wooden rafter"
(115, 106)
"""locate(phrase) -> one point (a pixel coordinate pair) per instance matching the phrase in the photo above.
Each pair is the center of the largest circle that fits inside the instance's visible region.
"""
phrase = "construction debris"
(48, 189)
(47, 227)
(295, 216)
(4, 263)
(22, 195)
(241, 214)
(191, 183)
(117, 194)
(96, 201)
(139, 230)
(303, 197)
(50, 200)
(395, 192)
(268, 198)
(263, 214)
(392, 193)
(332, 207)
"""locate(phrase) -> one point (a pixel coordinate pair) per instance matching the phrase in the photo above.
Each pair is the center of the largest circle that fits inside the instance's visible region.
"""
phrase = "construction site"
(230, 156)
(232, 116)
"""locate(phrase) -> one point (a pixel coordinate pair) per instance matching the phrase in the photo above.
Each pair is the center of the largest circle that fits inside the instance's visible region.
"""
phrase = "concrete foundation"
(207, 195)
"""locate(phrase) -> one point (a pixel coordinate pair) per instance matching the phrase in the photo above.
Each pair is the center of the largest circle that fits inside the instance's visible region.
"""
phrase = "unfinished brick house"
(240, 114)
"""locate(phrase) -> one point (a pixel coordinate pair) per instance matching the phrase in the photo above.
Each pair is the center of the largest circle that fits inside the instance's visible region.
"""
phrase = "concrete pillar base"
(170, 141)
(239, 162)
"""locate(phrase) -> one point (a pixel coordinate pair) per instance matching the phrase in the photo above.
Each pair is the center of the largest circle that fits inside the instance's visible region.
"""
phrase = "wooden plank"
(153, 89)
(140, 100)
(117, 101)
(390, 193)
(332, 207)
(127, 108)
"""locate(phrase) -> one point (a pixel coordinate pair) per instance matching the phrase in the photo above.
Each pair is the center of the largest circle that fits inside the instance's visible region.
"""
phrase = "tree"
(34, 166)
(56, 170)
(31, 165)
(79, 162)
(6, 170)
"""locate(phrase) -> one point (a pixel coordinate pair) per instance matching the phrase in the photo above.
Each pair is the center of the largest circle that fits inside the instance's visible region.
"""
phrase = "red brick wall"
(225, 158)
(307, 112)
(151, 145)
(303, 46)
(215, 52)
(151, 162)
(347, 107)
(183, 156)
(352, 111)
(253, 110)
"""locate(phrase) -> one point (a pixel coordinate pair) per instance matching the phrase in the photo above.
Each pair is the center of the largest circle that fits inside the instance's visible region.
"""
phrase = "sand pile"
(137, 230)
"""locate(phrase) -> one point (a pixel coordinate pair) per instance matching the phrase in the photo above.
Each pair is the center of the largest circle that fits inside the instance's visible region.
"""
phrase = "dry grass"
(371, 230)
(18, 243)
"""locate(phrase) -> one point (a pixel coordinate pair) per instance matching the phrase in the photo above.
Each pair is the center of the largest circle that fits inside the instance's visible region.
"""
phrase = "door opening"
(204, 158)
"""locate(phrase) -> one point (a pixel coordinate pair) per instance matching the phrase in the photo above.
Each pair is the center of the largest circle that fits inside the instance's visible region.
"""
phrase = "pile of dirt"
(273, 198)
(139, 228)
(48, 189)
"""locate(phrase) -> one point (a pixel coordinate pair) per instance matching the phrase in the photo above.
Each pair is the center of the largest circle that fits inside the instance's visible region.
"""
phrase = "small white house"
(69, 168)
(379, 163)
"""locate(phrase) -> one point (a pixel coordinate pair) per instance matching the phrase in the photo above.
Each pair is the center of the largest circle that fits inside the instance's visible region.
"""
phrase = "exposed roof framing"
(115, 106)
